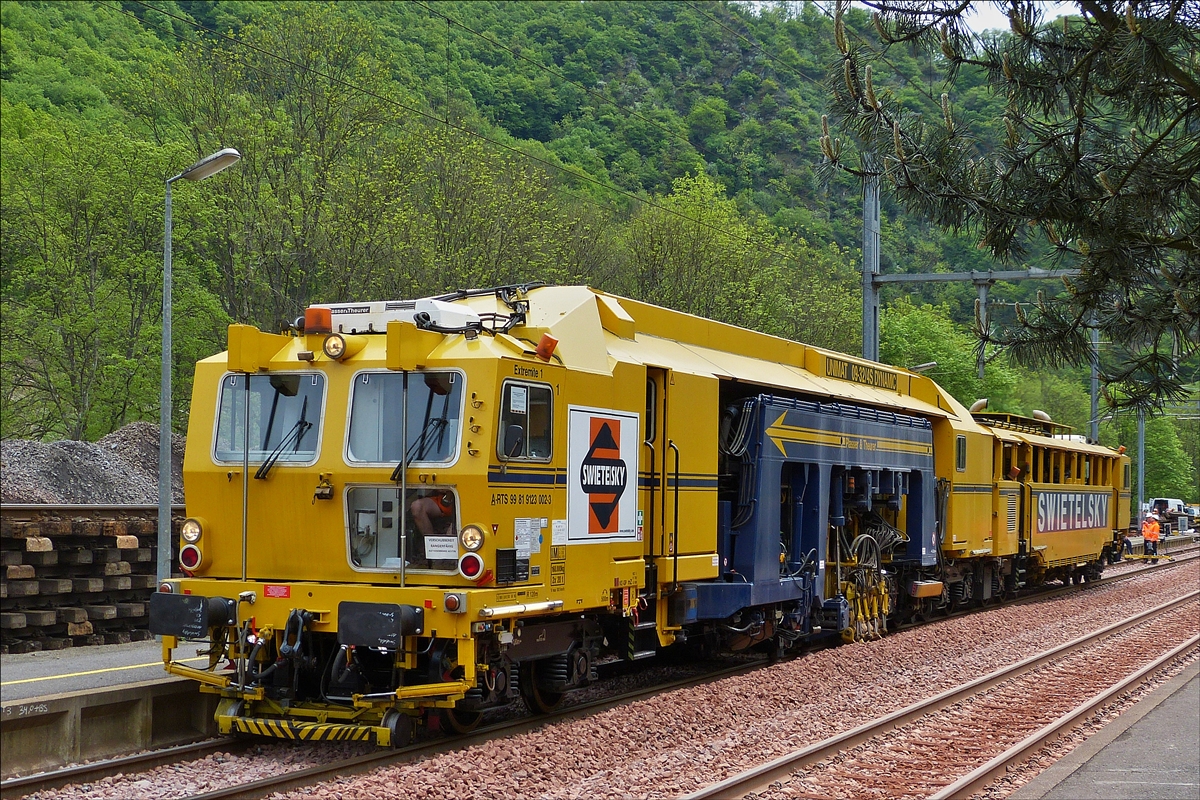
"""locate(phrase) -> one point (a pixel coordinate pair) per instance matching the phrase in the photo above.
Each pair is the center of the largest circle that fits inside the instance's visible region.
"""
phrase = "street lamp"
(205, 168)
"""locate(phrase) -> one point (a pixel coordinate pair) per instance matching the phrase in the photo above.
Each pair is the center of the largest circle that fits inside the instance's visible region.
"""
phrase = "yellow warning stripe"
(302, 731)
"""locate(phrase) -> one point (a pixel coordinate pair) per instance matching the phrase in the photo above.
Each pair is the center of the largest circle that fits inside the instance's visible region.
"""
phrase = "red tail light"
(470, 565)
(190, 557)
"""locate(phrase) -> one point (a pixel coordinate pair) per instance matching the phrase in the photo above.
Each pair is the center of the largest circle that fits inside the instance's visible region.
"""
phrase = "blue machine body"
(803, 463)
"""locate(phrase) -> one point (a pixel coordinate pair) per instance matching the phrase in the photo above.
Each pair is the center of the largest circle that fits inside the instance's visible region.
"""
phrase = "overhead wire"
(439, 120)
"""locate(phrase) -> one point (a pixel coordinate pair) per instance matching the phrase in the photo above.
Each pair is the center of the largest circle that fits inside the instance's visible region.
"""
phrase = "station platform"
(83, 669)
(1150, 752)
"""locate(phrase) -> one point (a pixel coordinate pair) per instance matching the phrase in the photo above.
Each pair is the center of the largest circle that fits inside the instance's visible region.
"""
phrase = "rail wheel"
(231, 707)
(460, 720)
(401, 726)
(538, 699)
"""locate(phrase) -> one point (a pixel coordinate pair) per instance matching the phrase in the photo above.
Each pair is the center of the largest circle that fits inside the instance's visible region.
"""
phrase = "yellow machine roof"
(595, 330)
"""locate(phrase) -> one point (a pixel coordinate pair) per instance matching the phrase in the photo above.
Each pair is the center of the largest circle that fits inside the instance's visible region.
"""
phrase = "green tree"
(911, 335)
(694, 251)
(1098, 156)
(1169, 471)
(81, 226)
(1060, 393)
(305, 100)
(459, 214)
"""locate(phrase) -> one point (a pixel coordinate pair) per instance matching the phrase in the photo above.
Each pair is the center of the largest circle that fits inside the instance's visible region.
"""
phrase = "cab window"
(960, 453)
(525, 422)
(284, 413)
(377, 416)
(427, 515)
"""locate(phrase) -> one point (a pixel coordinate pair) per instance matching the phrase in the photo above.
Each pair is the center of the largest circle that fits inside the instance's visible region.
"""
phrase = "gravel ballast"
(678, 741)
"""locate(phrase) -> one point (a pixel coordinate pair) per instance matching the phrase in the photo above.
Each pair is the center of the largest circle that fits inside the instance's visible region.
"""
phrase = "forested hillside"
(665, 151)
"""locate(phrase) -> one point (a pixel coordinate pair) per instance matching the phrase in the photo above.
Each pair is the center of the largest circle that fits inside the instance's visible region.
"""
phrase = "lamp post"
(205, 168)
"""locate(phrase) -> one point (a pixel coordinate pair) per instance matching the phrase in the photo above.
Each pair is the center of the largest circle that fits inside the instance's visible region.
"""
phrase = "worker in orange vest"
(1150, 536)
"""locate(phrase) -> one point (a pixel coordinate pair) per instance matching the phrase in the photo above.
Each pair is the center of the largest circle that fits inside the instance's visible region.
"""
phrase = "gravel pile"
(120, 468)
(678, 741)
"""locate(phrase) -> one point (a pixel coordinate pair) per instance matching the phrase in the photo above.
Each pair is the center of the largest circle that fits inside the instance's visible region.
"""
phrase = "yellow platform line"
(95, 672)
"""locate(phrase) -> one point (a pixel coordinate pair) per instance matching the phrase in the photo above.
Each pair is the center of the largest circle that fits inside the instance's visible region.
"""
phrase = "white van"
(1173, 513)
(1168, 505)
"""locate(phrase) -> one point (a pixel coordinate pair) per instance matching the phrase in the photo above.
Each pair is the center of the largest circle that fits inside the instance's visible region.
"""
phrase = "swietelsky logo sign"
(602, 453)
(602, 475)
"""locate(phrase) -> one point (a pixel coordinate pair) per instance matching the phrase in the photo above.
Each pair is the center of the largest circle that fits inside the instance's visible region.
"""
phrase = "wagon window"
(960, 454)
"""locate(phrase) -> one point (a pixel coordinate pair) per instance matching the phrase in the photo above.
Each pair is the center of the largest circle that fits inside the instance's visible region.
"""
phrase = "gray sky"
(985, 15)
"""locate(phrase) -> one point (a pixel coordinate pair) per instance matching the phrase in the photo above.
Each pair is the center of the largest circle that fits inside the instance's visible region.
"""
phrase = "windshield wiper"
(293, 437)
(431, 437)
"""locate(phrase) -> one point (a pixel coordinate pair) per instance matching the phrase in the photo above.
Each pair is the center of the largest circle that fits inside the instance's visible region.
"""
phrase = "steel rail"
(977, 779)
(74, 508)
(759, 778)
(1046, 592)
(90, 772)
(95, 770)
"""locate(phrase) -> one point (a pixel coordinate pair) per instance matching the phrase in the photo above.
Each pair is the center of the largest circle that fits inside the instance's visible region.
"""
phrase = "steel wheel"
(460, 720)
(539, 700)
(402, 727)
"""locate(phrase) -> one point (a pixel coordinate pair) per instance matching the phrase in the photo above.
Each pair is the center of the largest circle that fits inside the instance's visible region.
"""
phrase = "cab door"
(681, 488)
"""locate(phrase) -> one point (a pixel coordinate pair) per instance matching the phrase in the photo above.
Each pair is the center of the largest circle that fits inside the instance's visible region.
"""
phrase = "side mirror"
(514, 440)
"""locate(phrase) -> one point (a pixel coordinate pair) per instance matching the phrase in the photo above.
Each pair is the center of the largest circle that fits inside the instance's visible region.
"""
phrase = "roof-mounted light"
(545, 347)
(317, 319)
(334, 346)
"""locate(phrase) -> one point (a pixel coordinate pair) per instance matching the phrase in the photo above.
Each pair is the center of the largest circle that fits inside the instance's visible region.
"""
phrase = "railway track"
(924, 725)
(98, 770)
(92, 772)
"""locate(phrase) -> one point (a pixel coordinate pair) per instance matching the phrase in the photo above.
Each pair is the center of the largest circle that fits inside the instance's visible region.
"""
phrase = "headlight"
(191, 530)
(335, 346)
(471, 537)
